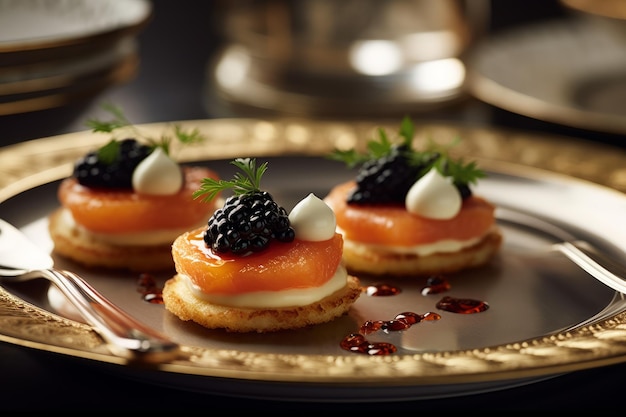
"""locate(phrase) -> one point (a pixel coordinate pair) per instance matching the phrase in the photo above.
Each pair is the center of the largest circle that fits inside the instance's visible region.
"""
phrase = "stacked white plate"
(56, 52)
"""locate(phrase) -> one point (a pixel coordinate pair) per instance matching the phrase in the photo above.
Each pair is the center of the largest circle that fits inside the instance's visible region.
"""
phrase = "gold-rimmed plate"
(55, 53)
(567, 71)
(546, 316)
(62, 89)
(31, 27)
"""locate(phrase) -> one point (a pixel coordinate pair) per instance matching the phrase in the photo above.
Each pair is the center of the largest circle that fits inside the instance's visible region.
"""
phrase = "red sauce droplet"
(436, 284)
(430, 316)
(356, 342)
(153, 298)
(462, 305)
(382, 290)
(145, 281)
(148, 288)
(371, 326)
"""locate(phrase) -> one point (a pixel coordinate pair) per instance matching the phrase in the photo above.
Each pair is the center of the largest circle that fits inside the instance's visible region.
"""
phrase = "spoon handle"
(126, 336)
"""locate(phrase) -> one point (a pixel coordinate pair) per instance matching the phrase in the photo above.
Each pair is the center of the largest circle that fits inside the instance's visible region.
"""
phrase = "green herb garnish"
(109, 151)
(245, 182)
(435, 155)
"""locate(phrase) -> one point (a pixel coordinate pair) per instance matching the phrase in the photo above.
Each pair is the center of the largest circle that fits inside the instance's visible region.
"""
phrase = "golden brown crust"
(359, 259)
(79, 246)
(180, 301)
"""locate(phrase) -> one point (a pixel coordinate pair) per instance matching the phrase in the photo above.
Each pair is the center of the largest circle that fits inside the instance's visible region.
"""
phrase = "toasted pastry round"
(359, 258)
(78, 245)
(179, 300)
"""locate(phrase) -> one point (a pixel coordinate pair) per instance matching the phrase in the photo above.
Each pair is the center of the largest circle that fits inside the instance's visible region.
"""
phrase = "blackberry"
(387, 179)
(92, 171)
(248, 223)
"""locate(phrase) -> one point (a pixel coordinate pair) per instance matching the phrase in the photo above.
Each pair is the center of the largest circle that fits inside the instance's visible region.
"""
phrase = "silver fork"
(126, 336)
(582, 253)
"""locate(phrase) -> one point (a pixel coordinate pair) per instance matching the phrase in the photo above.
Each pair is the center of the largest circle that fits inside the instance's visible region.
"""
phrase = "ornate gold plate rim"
(32, 163)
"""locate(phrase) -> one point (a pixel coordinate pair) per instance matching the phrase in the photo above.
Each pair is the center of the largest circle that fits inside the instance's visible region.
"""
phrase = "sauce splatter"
(147, 286)
(436, 284)
(462, 305)
(382, 290)
(356, 342)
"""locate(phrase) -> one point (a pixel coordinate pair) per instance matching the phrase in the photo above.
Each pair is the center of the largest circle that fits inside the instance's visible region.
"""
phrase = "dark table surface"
(174, 50)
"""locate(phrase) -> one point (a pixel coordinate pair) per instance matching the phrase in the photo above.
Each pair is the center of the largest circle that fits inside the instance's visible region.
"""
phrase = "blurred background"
(540, 65)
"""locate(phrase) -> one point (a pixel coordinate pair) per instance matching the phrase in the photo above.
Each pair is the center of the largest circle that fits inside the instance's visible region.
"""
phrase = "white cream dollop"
(434, 196)
(158, 174)
(313, 220)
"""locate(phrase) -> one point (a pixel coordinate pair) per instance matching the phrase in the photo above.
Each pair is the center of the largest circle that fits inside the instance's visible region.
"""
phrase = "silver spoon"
(21, 260)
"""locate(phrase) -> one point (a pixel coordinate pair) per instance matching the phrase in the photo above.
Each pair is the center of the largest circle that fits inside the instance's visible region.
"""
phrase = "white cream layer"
(151, 238)
(275, 299)
(441, 246)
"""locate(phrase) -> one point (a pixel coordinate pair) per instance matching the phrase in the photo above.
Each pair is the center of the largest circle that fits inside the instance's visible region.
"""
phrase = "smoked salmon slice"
(125, 211)
(394, 225)
(294, 265)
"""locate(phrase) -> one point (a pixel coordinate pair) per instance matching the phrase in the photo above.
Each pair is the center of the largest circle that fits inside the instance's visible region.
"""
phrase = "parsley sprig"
(244, 182)
(435, 155)
(110, 150)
